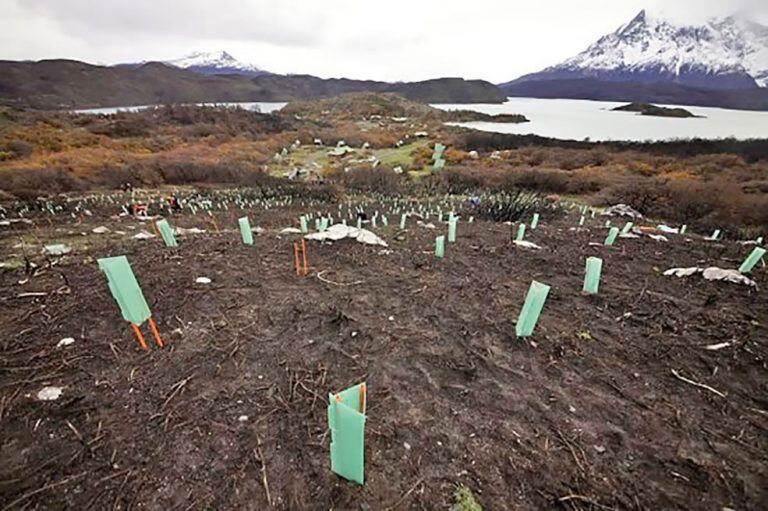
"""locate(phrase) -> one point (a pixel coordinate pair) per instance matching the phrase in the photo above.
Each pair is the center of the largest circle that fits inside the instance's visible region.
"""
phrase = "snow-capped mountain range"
(214, 63)
(728, 53)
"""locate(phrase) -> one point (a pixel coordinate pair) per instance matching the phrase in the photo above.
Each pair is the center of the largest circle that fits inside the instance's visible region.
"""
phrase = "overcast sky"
(496, 40)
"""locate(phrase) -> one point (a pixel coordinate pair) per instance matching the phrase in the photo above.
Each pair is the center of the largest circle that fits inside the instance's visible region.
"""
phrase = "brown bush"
(28, 184)
(703, 204)
(364, 179)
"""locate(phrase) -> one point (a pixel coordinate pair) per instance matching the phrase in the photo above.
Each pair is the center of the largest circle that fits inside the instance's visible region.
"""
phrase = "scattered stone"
(65, 342)
(621, 210)
(203, 280)
(49, 393)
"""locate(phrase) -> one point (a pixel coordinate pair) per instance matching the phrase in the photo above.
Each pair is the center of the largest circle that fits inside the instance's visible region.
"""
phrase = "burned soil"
(231, 414)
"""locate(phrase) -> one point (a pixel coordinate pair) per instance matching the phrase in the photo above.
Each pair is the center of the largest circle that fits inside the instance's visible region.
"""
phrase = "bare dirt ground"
(586, 414)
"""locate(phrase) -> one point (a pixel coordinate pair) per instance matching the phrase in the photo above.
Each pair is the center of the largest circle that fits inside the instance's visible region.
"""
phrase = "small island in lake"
(658, 111)
(472, 116)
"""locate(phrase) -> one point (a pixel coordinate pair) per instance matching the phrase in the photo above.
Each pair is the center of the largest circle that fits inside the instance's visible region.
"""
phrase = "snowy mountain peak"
(217, 62)
(727, 53)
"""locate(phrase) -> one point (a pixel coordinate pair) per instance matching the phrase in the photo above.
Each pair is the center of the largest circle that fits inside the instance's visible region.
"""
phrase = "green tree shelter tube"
(346, 420)
(125, 289)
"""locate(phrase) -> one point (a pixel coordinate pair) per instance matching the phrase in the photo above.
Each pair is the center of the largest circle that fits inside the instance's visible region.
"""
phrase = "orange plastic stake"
(304, 255)
(296, 258)
(139, 337)
(337, 398)
(153, 327)
(361, 403)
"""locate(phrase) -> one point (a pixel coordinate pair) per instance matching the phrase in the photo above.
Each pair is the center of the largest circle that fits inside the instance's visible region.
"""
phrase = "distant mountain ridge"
(726, 54)
(210, 63)
(731, 53)
(68, 84)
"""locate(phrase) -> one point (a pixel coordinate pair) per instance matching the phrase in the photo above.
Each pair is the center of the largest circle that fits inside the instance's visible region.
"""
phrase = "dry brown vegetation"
(720, 184)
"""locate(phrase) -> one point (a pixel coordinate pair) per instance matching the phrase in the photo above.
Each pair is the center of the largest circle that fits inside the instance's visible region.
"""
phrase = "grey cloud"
(279, 23)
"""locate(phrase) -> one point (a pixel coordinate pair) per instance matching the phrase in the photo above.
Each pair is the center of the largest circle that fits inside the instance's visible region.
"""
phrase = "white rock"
(526, 244)
(100, 230)
(49, 393)
(203, 280)
(65, 342)
(143, 235)
(242, 418)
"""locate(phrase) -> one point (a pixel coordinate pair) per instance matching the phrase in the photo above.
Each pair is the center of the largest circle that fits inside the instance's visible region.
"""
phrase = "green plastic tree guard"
(752, 260)
(439, 148)
(535, 221)
(592, 275)
(245, 230)
(384, 220)
(125, 289)
(167, 233)
(715, 235)
(520, 232)
(627, 227)
(581, 220)
(402, 221)
(452, 230)
(611, 238)
(759, 240)
(346, 420)
(438, 165)
(683, 229)
(529, 315)
(440, 247)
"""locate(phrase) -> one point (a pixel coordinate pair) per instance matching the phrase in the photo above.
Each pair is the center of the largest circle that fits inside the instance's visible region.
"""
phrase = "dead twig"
(405, 495)
(42, 489)
(696, 384)
(176, 387)
(263, 462)
(582, 498)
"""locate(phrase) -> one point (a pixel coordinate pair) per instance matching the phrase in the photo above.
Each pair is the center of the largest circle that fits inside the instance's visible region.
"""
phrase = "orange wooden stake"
(153, 327)
(139, 337)
(296, 258)
(304, 255)
(213, 220)
(361, 403)
(154, 228)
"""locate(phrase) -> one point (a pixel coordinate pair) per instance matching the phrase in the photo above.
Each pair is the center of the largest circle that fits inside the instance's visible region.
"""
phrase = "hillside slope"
(57, 84)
